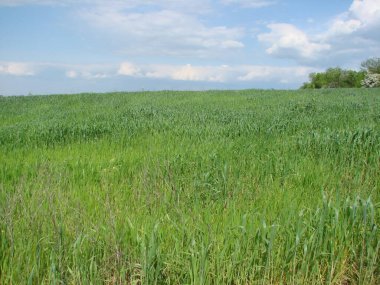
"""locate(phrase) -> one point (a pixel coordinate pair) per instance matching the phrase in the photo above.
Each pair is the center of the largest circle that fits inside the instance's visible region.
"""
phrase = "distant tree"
(372, 78)
(352, 79)
(335, 78)
(371, 65)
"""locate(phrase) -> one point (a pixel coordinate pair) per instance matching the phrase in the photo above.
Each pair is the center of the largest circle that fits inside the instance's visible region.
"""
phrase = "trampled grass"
(216, 187)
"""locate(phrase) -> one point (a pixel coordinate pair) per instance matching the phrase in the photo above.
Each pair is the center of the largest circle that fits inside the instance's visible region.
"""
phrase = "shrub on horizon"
(371, 80)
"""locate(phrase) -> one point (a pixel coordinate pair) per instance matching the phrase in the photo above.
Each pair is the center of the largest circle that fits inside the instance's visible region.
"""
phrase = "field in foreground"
(216, 187)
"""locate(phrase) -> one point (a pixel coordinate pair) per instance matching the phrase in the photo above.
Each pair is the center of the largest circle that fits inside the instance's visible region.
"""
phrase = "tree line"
(336, 77)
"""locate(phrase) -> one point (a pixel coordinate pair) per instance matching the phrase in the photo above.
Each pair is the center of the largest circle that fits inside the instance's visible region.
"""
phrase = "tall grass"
(216, 187)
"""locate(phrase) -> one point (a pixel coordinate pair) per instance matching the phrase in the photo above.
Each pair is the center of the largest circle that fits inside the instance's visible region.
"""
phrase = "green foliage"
(340, 78)
(335, 78)
(371, 65)
(214, 187)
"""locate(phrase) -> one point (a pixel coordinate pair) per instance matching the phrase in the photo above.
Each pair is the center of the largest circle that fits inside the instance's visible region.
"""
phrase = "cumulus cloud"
(17, 69)
(85, 71)
(281, 74)
(361, 20)
(26, 2)
(185, 72)
(163, 32)
(355, 32)
(153, 27)
(368, 11)
(189, 72)
(288, 41)
(128, 69)
(200, 73)
(73, 74)
(197, 6)
(249, 3)
(177, 74)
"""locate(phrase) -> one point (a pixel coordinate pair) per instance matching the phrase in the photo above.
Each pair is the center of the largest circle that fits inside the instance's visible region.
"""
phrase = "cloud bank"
(175, 72)
(163, 32)
(249, 3)
(219, 73)
(17, 69)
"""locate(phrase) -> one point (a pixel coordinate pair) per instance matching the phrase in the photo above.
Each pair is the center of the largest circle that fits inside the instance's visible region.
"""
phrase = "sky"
(72, 46)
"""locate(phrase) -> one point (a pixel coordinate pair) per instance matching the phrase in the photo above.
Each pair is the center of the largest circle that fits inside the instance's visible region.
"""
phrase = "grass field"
(214, 187)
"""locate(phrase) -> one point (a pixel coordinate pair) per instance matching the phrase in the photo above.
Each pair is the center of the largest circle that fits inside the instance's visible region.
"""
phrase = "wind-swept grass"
(216, 187)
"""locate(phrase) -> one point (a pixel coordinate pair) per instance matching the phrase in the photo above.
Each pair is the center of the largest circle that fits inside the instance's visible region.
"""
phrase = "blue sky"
(70, 46)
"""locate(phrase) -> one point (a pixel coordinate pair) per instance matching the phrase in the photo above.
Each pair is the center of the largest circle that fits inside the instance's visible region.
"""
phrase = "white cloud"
(154, 76)
(25, 2)
(152, 27)
(218, 73)
(128, 69)
(288, 41)
(343, 27)
(355, 34)
(72, 74)
(198, 6)
(17, 69)
(274, 73)
(85, 71)
(191, 73)
(86, 74)
(361, 20)
(368, 11)
(249, 3)
(350, 37)
(163, 32)
(186, 72)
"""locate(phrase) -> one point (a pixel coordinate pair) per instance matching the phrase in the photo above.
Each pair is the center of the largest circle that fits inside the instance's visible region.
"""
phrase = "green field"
(214, 187)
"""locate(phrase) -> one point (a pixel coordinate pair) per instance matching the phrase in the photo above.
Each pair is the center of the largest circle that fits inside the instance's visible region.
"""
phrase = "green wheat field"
(213, 187)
